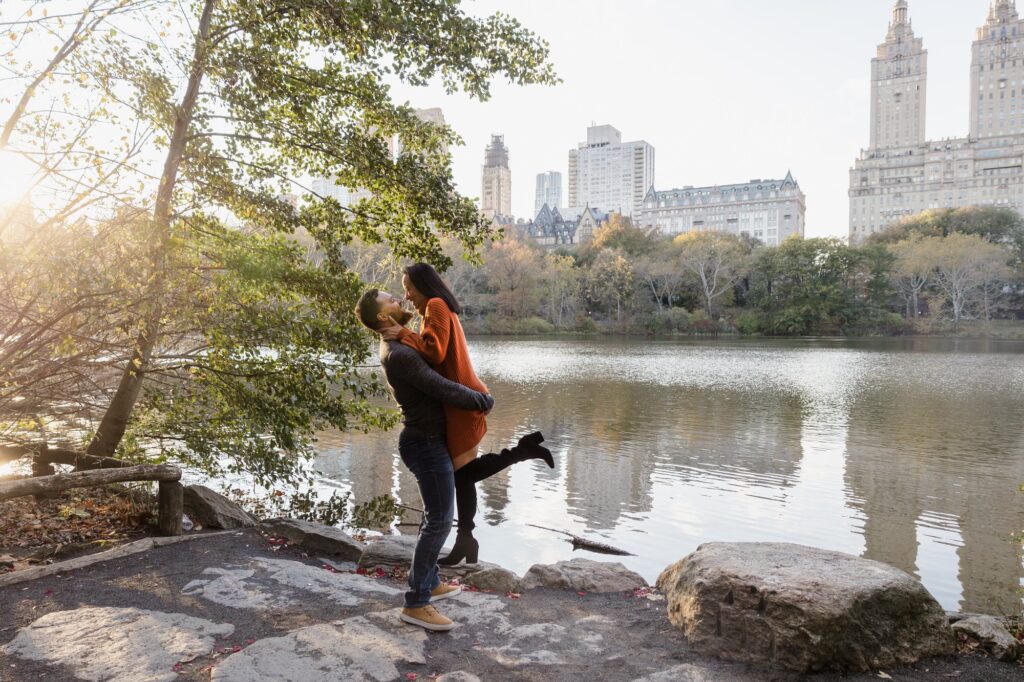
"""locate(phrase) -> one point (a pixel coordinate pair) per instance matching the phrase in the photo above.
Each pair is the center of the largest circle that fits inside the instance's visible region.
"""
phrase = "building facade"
(901, 173)
(767, 210)
(496, 190)
(552, 229)
(605, 171)
(549, 190)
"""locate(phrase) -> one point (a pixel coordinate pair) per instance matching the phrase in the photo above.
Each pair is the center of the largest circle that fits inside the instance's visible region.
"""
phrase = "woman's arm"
(435, 333)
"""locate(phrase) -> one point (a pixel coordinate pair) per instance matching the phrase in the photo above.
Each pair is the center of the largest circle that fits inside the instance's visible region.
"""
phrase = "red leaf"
(513, 595)
(411, 676)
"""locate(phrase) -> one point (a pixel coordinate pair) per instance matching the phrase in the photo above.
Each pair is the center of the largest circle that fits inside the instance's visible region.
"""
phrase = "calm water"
(908, 451)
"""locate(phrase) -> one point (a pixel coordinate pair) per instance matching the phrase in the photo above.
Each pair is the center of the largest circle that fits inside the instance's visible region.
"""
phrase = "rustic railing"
(170, 498)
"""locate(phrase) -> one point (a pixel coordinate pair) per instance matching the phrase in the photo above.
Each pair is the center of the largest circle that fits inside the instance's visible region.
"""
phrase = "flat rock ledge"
(992, 635)
(395, 551)
(583, 575)
(212, 510)
(802, 608)
(315, 537)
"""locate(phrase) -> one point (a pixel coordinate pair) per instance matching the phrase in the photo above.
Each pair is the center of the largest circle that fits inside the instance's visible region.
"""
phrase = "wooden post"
(170, 506)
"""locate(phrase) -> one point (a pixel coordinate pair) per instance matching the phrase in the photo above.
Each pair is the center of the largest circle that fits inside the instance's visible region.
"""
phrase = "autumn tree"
(562, 287)
(715, 261)
(911, 273)
(963, 266)
(513, 274)
(197, 117)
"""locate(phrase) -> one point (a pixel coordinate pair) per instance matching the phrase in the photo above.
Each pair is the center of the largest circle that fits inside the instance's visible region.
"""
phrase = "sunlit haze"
(726, 91)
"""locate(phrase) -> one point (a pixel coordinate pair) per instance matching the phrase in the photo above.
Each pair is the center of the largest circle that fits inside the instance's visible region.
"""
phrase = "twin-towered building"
(901, 173)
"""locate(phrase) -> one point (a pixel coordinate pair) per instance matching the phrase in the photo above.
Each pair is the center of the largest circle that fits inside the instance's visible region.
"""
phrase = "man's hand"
(390, 330)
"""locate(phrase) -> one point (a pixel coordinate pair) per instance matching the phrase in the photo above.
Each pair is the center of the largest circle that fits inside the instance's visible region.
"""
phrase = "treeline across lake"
(934, 273)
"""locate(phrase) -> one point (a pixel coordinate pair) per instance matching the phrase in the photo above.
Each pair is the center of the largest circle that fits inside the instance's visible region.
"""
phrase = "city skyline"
(761, 102)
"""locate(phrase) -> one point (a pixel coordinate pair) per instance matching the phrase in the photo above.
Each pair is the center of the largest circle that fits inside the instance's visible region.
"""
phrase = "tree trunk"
(115, 421)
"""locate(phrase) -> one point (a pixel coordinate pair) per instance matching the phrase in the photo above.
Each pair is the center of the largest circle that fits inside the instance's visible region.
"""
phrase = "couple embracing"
(444, 407)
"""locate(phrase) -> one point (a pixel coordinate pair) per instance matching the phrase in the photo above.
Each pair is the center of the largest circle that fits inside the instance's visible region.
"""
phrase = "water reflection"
(908, 451)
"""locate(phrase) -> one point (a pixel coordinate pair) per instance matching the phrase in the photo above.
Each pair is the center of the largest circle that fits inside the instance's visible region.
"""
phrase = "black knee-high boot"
(466, 478)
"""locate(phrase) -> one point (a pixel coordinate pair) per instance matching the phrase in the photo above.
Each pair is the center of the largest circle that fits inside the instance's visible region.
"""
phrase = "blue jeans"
(429, 462)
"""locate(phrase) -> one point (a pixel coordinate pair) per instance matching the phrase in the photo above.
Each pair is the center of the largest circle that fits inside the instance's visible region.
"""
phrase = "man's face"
(391, 306)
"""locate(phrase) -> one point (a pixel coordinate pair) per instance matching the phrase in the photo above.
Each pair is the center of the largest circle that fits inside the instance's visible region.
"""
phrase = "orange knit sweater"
(442, 343)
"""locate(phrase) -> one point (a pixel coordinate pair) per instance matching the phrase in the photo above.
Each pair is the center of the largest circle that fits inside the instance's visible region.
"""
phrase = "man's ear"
(383, 317)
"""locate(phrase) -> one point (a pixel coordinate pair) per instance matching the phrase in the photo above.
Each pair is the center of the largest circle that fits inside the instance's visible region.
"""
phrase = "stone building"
(496, 191)
(901, 173)
(549, 190)
(605, 171)
(767, 210)
(550, 229)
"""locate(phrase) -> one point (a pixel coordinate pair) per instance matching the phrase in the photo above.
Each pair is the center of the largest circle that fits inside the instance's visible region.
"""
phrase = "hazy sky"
(725, 90)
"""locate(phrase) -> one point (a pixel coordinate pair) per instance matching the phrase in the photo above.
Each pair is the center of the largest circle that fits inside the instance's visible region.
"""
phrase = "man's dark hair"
(426, 280)
(367, 309)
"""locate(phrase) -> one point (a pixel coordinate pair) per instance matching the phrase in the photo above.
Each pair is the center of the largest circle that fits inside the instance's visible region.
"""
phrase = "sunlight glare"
(16, 178)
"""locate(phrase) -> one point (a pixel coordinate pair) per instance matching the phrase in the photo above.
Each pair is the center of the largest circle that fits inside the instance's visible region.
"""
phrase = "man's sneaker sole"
(457, 590)
(425, 625)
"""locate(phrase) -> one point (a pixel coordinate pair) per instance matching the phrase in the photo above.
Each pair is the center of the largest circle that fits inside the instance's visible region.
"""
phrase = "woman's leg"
(466, 547)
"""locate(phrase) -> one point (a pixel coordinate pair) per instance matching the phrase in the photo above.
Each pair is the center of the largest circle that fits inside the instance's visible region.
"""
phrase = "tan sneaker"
(427, 617)
(444, 591)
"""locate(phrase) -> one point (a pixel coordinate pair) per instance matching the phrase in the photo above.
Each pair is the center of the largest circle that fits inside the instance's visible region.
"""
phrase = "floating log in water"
(583, 543)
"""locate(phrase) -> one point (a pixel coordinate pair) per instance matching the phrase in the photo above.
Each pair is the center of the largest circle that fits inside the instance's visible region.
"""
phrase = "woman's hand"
(391, 331)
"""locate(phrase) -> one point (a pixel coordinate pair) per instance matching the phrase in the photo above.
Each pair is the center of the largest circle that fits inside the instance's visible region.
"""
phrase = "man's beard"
(402, 317)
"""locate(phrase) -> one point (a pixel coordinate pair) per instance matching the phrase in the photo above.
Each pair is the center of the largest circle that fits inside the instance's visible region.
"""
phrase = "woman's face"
(413, 295)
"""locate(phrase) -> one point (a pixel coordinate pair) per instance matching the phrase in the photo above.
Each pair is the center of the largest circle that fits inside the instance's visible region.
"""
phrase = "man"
(421, 393)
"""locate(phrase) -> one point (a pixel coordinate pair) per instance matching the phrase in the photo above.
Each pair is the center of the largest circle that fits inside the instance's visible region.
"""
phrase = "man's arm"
(411, 366)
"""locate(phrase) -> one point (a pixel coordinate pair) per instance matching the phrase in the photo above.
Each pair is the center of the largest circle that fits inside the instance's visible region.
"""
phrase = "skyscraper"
(898, 77)
(549, 191)
(608, 173)
(496, 192)
(901, 173)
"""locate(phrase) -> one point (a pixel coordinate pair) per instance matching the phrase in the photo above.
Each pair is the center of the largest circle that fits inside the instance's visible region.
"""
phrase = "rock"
(390, 550)
(994, 637)
(354, 649)
(315, 537)
(6, 562)
(458, 676)
(802, 608)
(107, 643)
(680, 673)
(496, 579)
(463, 571)
(583, 575)
(212, 510)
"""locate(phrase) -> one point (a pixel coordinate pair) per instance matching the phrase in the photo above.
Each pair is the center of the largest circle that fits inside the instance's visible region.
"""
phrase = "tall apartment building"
(496, 192)
(607, 172)
(901, 173)
(768, 210)
(549, 191)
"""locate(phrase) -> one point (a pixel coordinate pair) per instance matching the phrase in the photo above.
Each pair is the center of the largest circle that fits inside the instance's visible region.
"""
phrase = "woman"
(442, 343)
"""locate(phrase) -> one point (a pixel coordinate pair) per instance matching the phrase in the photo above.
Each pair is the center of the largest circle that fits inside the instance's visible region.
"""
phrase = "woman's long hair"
(426, 280)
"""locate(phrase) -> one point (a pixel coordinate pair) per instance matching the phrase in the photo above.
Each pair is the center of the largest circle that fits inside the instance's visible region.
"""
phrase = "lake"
(907, 450)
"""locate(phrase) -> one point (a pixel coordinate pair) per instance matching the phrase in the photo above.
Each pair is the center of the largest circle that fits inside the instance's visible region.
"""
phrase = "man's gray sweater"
(422, 393)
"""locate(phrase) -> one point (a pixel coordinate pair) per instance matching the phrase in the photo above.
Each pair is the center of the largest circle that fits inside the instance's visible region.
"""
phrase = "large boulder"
(583, 575)
(389, 550)
(213, 510)
(493, 579)
(991, 634)
(802, 608)
(315, 537)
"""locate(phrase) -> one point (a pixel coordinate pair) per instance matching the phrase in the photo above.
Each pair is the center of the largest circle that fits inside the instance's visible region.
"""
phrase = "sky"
(725, 90)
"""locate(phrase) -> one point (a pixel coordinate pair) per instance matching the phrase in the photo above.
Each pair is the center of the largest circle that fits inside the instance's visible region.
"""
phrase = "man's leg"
(431, 465)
